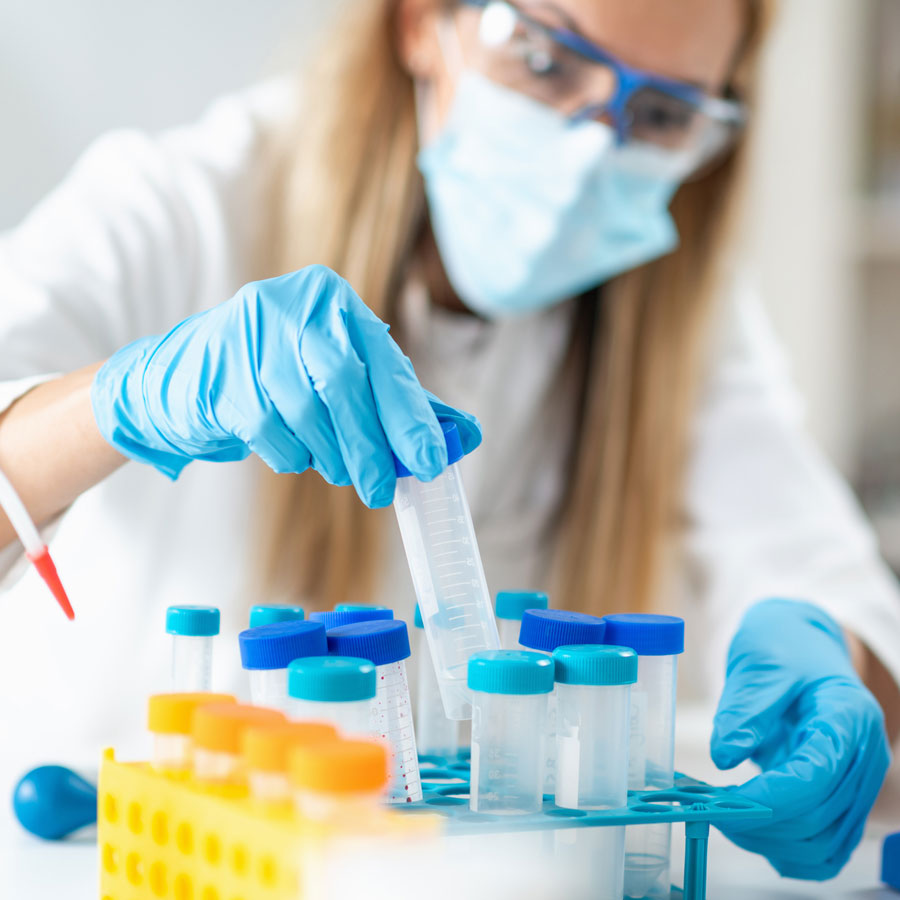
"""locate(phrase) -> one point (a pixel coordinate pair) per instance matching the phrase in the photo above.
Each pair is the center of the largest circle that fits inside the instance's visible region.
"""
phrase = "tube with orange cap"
(265, 749)
(340, 783)
(216, 731)
(35, 548)
(169, 721)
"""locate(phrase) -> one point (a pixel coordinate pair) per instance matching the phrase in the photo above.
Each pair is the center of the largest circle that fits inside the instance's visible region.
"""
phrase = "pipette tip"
(47, 570)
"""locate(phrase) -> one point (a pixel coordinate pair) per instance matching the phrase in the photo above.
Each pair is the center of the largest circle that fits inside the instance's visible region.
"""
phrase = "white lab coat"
(147, 230)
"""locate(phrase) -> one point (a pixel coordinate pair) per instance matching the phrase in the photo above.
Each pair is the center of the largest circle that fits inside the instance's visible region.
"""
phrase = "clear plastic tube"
(191, 662)
(509, 633)
(268, 687)
(442, 552)
(436, 735)
(651, 765)
(392, 721)
(592, 773)
(508, 752)
(350, 717)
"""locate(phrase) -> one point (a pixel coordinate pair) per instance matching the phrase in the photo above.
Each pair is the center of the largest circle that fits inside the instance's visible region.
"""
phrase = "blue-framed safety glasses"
(537, 53)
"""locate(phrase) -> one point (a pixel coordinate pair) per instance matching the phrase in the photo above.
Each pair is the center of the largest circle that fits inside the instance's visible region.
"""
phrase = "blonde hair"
(349, 196)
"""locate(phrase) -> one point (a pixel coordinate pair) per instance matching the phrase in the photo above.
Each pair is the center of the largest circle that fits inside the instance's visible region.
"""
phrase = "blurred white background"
(819, 238)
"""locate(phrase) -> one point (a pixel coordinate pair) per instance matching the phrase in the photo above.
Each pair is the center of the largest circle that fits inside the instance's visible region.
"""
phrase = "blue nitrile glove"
(793, 703)
(296, 369)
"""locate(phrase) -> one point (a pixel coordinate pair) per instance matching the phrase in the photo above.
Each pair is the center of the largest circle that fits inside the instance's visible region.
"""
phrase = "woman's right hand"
(296, 369)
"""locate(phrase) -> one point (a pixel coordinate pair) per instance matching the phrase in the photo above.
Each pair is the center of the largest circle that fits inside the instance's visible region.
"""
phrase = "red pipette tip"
(44, 564)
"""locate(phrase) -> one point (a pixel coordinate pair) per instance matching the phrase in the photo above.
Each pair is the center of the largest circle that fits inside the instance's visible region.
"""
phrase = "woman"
(580, 161)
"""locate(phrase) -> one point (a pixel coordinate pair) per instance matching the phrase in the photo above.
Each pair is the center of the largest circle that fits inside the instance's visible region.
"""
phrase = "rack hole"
(696, 789)
(668, 797)
(441, 776)
(135, 818)
(156, 878)
(268, 871)
(566, 813)
(239, 859)
(183, 887)
(110, 859)
(446, 801)
(212, 849)
(110, 808)
(184, 838)
(461, 790)
(651, 808)
(159, 828)
(134, 869)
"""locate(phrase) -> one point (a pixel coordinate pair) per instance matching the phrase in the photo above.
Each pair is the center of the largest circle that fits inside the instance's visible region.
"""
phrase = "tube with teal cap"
(509, 690)
(511, 606)
(193, 629)
(267, 613)
(442, 552)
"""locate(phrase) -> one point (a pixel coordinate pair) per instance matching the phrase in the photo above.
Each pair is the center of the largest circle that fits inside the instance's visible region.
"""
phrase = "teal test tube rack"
(445, 787)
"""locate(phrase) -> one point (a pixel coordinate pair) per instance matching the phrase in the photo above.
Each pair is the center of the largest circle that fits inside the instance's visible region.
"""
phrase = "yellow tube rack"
(165, 838)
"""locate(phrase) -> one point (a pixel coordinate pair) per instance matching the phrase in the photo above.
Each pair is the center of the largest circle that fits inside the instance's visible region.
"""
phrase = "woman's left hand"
(793, 703)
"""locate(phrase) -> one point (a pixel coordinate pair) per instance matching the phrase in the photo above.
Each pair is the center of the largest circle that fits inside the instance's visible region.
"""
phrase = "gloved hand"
(296, 369)
(793, 703)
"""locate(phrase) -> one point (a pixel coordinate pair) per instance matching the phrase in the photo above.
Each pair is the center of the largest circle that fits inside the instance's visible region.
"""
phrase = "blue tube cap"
(331, 678)
(595, 664)
(274, 646)
(355, 607)
(267, 613)
(192, 621)
(511, 604)
(510, 672)
(547, 629)
(454, 449)
(890, 861)
(334, 618)
(647, 635)
(417, 618)
(380, 642)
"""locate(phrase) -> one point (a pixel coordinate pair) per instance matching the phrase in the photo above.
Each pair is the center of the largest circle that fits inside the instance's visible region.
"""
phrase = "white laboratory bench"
(31, 869)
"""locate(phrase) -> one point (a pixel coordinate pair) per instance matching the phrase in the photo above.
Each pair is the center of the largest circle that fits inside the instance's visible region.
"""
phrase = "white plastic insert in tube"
(334, 689)
(593, 685)
(442, 552)
(658, 640)
(510, 607)
(386, 644)
(266, 652)
(436, 735)
(509, 706)
(193, 629)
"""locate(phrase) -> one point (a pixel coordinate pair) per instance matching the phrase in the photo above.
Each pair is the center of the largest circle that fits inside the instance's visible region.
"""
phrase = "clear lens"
(520, 52)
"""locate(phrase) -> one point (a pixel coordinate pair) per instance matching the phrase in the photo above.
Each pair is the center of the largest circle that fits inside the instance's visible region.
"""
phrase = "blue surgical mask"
(529, 208)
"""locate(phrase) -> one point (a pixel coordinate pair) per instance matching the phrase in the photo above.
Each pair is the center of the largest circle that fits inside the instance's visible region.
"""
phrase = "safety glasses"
(539, 55)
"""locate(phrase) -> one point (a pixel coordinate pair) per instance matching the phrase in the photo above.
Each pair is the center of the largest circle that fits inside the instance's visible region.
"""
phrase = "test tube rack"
(162, 837)
(167, 838)
(445, 788)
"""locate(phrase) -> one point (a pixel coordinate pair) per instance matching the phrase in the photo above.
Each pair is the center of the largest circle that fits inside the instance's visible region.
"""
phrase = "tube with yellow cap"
(339, 783)
(265, 750)
(169, 721)
(216, 731)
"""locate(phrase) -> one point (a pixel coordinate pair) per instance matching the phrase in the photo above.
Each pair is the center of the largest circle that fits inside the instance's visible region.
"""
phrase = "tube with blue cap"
(658, 641)
(268, 650)
(439, 539)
